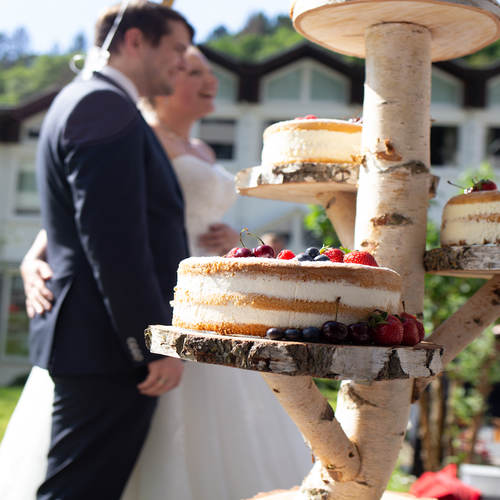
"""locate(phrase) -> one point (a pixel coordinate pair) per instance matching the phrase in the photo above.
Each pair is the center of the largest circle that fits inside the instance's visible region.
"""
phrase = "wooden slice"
(299, 183)
(367, 363)
(458, 27)
(474, 261)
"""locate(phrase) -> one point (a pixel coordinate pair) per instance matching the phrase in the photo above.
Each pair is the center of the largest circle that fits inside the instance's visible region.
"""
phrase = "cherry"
(263, 251)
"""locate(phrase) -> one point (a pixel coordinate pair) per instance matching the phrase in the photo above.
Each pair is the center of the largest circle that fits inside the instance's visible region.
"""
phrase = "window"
(220, 135)
(27, 201)
(227, 86)
(14, 321)
(493, 146)
(327, 88)
(444, 144)
(445, 90)
(494, 92)
(286, 86)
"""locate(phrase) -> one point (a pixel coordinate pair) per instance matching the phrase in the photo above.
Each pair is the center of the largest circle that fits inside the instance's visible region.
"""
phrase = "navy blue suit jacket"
(114, 216)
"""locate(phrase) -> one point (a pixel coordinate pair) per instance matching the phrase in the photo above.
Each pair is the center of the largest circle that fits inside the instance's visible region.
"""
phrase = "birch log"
(391, 223)
(466, 324)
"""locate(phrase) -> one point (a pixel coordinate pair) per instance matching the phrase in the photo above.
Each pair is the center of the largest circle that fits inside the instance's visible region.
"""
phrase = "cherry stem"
(455, 185)
(337, 302)
(404, 307)
(245, 230)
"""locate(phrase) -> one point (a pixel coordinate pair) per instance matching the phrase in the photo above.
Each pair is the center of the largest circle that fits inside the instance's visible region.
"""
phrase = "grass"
(8, 401)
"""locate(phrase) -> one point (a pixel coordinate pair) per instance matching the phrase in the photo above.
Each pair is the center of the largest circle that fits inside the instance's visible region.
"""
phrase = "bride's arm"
(35, 272)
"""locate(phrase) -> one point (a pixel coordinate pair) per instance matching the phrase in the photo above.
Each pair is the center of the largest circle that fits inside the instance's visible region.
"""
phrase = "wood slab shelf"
(340, 25)
(366, 363)
(474, 261)
(299, 183)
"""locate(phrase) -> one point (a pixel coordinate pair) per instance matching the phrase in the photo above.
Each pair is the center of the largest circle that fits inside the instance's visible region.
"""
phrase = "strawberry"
(387, 329)
(411, 335)
(420, 327)
(360, 257)
(334, 254)
(286, 255)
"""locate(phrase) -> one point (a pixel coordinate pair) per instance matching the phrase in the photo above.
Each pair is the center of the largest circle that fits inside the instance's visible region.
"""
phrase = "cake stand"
(357, 447)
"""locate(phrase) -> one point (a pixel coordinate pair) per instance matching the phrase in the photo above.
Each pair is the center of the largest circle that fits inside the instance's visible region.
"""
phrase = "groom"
(113, 212)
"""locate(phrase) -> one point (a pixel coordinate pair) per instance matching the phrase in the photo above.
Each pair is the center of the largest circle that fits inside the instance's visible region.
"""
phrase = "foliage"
(29, 77)
(8, 400)
(484, 57)
(252, 47)
(320, 226)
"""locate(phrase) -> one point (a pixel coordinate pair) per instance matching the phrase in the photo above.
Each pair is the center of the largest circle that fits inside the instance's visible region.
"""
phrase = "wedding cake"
(311, 140)
(250, 295)
(471, 219)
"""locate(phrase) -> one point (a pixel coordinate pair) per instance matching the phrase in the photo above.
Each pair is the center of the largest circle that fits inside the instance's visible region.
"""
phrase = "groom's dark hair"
(151, 18)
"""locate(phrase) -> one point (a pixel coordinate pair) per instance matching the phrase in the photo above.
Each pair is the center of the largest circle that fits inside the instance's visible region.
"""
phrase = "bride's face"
(196, 86)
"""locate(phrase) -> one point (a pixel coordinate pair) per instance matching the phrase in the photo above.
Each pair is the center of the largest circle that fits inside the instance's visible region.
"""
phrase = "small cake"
(471, 219)
(311, 140)
(250, 295)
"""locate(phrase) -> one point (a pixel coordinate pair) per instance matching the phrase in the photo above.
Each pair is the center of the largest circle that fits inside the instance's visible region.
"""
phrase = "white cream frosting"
(248, 315)
(200, 286)
(287, 145)
(460, 225)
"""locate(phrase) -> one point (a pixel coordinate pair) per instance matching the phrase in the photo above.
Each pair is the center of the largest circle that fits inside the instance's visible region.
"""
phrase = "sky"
(51, 22)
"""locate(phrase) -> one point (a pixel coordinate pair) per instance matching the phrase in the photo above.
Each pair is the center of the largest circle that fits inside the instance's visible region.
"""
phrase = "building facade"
(304, 80)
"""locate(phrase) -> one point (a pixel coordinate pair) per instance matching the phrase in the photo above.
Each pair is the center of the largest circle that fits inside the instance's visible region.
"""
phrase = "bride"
(221, 434)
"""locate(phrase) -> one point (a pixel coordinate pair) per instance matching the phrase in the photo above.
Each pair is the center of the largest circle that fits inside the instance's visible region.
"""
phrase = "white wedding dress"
(220, 435)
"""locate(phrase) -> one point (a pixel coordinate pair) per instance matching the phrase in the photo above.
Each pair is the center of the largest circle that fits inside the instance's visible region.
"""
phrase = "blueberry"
(303, 257)
(321, 257)
(293, 334)
(360, 333)
(275, 333)
(312, 252)
(334, 332)
(311, 334)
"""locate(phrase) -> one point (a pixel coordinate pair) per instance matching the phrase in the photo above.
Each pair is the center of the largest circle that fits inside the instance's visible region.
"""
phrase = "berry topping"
(293, 334)
(334, 331)
(480, 185)
(411, 335)
(334, 254)
(275, 333)
(263, 251)
(239, 252)
(307, 117)
(360, 333)
(303, 257)
(243, 252)
(312, 252)
(420, 327)
(286, 255)
(483, 185)
(387, 329)
(360, 257)
(311, 334)
(321, 257)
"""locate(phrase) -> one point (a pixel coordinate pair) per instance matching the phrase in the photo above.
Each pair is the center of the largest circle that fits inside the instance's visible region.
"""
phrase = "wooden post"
(391, 217)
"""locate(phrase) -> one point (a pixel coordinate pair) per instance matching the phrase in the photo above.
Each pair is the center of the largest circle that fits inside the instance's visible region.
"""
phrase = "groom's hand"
(164, 375)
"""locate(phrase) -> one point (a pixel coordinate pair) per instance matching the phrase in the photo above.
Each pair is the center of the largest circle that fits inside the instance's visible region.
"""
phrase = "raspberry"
(286, 255)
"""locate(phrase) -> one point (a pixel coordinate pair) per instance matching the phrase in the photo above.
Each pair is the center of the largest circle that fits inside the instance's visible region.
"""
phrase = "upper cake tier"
(249, 296)
(311, 141)
(471, 219)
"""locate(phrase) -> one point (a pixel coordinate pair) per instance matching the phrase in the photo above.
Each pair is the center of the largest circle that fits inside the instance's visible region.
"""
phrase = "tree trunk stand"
(356, 448)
